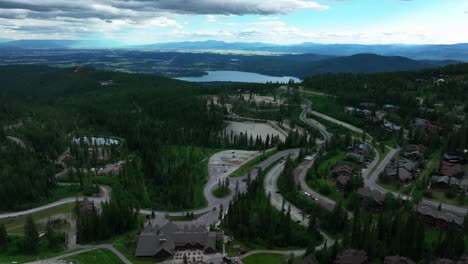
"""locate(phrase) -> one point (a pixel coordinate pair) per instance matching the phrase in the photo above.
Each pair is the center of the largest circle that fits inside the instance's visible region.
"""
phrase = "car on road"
(307, 194)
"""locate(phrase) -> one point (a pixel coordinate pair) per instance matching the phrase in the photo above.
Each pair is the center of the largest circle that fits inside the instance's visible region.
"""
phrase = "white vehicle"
(307, 194)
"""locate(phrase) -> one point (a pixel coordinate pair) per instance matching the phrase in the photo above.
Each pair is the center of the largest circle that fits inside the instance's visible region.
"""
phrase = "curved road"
(370, 181)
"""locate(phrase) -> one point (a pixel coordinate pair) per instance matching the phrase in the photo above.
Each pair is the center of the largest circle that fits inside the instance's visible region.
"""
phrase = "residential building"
(451, 169)
(352, 256)
(436, 218)
(162, 242)
(376, 196)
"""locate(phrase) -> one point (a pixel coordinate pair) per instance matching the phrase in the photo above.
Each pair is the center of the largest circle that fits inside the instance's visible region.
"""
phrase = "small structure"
(112, 169)
(376, 196)
(352, 256)
(452, 158)
(451, 169)
(444, 182)
(85, 205)
(356, 157)
(436, 218)
(405, 169)
(397, 260)
(162, 242)
(443, 261)
(391, 127)
(342, 170)
(342, 181)
(414, 152)
(107, 83)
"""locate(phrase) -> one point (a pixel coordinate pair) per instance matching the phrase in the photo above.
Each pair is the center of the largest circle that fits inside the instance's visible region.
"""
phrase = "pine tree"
(3, 237)
(31, 236)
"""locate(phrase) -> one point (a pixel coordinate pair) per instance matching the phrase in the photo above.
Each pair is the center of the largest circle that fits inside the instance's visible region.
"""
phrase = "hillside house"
(162, 242)
(436, 218)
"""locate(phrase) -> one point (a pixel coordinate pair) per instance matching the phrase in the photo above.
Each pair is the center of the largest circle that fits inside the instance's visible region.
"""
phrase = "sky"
(270, 21)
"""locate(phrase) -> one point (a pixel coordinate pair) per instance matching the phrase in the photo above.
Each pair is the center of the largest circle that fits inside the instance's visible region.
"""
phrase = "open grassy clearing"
(101, 256)
(265, 259)
(15, 225)
(246, 168)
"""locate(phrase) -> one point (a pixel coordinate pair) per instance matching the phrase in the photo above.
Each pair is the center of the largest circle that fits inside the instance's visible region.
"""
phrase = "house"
(390, 107)
(464, 259)
(352, 256)
(451, 169)
(107, 83)
(391, 127)
(426, 125)
(359, 158)
(162, 242)
(452, 158)
(366, 105)
(362, 149)
(349, 109)
(443, 261)
(397, 260)
(439, 82)
(414, 152)
(404, 169)
(444, 182)
(111, 169)
(342, 170)
(342, 181)
(376, 196)
(436, 218)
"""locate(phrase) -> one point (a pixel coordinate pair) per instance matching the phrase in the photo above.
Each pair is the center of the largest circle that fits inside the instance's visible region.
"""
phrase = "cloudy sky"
(272, 21)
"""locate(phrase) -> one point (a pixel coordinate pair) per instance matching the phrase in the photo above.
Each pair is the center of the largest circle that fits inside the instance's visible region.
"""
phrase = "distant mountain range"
(458, 52)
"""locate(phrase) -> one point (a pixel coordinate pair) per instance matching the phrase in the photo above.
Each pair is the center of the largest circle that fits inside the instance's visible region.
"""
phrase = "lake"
(238, 76)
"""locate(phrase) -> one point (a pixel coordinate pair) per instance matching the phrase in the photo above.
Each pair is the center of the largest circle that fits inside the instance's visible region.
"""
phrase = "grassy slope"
(220, 193)
(101, 256)
(246, 168)
(264, 259)
(15, 225)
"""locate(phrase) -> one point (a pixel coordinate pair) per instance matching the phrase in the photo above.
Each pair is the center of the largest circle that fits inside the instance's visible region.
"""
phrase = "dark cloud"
(113, 9)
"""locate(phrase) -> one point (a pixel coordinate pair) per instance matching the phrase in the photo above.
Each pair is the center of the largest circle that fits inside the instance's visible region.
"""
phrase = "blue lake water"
(238, 76)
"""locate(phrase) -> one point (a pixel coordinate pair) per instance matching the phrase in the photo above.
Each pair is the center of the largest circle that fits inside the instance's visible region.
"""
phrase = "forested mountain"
(150, 113)
(176, 64)
(434, 52)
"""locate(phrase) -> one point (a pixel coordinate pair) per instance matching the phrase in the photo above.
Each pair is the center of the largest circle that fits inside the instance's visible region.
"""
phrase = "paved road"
(17, 141)
(97, 200)
(326, 135)
(371, 181)
(277, 199)
(56, 260)
(215, 203)
(336, 121)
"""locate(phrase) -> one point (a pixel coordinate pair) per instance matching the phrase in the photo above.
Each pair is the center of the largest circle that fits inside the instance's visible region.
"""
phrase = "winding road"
(220, 171)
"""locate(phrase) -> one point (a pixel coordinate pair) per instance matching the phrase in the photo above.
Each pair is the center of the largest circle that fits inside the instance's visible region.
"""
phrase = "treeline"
(252, 218)
(25, 176)
(116, 216)
(244, 141)
(151, 113)
(30, 242)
